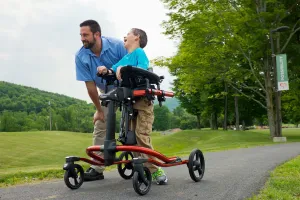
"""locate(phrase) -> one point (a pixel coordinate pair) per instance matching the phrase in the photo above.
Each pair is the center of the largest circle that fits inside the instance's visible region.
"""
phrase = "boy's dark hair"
(94, 26)
(143, 36)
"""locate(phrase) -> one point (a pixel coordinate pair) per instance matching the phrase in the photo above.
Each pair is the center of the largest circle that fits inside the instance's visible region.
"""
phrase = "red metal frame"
(138, 93)
(166, 161)
(98, 160)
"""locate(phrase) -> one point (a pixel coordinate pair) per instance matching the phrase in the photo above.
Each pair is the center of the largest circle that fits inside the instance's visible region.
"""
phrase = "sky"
(39, 38)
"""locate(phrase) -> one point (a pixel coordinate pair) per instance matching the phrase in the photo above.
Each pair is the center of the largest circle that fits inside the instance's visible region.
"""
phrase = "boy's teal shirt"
(137, 58)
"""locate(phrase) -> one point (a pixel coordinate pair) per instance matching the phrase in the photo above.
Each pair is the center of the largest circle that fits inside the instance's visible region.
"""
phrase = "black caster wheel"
(74, 176)
(139, 186)
(126, 170)
(196, 165)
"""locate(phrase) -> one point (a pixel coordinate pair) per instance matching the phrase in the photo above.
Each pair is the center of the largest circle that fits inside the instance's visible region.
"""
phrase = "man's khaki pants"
(99, 136)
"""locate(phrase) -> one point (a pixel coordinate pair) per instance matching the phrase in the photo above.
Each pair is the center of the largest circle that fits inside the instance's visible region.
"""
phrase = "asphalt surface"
(233, 174)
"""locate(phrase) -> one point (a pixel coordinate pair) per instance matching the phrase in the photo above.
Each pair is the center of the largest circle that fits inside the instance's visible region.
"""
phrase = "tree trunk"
(270, 103)
(225, 108)
(214, 121)
(278, 119)
(244, 125)
(211, 121)
(198, 121)
(237, 116)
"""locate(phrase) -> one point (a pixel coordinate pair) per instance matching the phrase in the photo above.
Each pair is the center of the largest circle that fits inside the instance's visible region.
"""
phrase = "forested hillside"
(22, 98)
(25, 108)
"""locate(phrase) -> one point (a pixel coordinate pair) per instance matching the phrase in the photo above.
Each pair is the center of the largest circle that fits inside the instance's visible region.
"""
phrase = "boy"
(134, 42)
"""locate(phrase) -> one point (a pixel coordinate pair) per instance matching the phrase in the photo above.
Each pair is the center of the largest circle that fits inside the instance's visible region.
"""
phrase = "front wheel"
(138, 184)
(74, 176)
(196, 165)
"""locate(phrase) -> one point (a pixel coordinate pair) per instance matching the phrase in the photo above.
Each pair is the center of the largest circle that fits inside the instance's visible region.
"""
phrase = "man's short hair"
(143, 36)
(94, 26)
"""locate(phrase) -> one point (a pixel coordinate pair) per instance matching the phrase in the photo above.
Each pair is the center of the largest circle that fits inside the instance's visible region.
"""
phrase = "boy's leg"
(143, 130)
(144, 121)
(133, 127)
(96, 172)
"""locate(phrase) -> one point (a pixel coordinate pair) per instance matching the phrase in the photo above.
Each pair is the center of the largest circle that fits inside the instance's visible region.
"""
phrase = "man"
(97, 51)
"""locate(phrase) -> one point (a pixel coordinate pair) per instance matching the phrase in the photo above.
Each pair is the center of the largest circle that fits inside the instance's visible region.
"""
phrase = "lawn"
(207, 140)
(284, 183)
(27, 156)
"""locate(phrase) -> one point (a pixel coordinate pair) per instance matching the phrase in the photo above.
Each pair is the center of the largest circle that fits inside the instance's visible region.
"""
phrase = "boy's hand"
(102, 70)
(119, 73)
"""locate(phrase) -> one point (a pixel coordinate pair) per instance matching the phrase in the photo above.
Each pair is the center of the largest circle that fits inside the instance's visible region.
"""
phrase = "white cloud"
(4, 56)
(40, 37)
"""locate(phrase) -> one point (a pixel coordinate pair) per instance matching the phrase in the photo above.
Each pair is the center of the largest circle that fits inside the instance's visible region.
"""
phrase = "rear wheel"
(126, 169)
(196, 165)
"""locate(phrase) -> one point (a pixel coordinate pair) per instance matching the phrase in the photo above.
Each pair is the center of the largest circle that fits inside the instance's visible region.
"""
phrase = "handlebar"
(137, 93)
(111, 78)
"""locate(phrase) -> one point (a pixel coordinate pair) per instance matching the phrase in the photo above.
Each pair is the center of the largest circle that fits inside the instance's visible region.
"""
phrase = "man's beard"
(89, 45)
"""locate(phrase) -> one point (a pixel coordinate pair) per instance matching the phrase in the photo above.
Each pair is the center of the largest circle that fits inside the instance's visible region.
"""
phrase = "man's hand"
(119, 73)
(102, 70)
(99, 115)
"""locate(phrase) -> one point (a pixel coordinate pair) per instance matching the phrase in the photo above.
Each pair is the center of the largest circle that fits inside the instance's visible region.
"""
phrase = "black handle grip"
(109, 77)
(99, 75)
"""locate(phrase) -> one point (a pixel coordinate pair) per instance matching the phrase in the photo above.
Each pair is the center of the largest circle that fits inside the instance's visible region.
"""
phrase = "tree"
(183, 119)
(229, 41)
(161, 118)
(192, 102)
(7, 121)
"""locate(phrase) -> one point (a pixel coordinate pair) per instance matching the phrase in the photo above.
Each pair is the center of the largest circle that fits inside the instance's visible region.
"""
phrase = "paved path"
(233, 174)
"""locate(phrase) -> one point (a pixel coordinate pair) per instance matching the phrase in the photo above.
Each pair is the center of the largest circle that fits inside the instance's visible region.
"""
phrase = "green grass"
(181, 143)
(283, 184)
(29, 156)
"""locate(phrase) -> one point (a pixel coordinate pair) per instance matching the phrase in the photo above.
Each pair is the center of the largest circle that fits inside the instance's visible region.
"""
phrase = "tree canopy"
(226, 44)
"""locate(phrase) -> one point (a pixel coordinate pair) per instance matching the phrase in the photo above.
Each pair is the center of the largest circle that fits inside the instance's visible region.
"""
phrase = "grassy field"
(284, 182)
(181, 143)
(29, 156)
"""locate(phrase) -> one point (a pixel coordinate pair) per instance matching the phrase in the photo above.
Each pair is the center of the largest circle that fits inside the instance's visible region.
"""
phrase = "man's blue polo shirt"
(87, 62)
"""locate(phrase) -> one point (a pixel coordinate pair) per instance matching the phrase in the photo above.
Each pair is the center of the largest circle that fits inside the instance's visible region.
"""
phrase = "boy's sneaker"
(160, 177)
